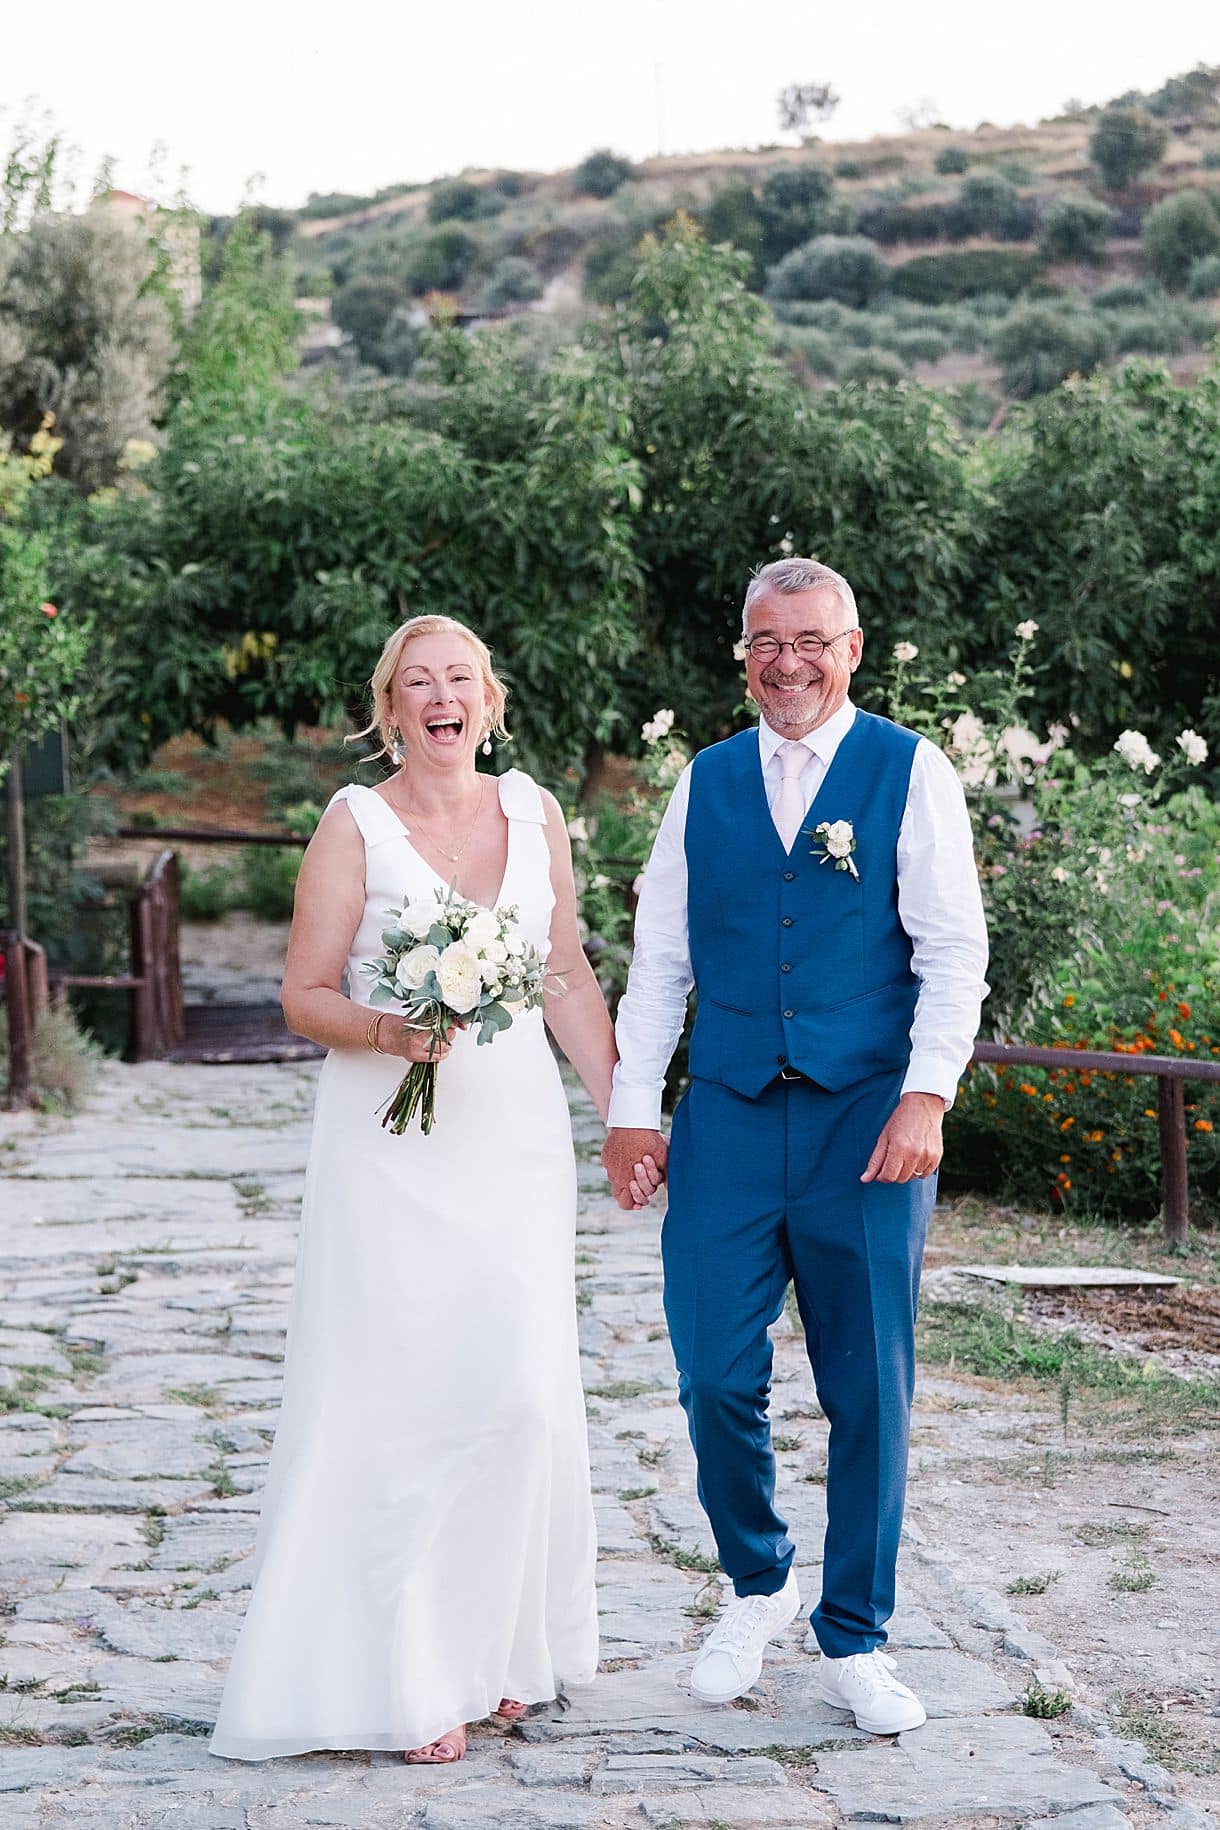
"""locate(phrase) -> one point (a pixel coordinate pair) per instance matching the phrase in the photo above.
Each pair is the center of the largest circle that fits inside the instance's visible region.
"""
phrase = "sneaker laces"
(741, 1620)
(875, 1670)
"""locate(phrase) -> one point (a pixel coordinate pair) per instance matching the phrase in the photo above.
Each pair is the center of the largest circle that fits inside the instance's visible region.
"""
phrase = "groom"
(839, 976)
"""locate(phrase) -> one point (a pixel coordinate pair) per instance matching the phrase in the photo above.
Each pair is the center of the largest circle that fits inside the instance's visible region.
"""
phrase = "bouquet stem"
(415, 1093)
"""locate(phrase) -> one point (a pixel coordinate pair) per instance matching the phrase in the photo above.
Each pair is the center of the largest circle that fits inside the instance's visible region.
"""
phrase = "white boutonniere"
(838, 843)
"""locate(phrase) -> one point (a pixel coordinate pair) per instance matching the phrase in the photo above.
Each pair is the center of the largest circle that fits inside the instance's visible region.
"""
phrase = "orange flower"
(1184, 1012)
(1175, 1036)
(1149, 1111)
(1204, 1124)
(1067, 1124)
(1069, 1000)
(1026, 1088)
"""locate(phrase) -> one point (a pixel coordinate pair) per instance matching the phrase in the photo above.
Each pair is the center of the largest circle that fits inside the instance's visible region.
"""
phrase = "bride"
(426, 1549)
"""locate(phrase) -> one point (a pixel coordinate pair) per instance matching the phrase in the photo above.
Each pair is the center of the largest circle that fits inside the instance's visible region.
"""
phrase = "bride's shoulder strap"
(521, 797)
(374, 819)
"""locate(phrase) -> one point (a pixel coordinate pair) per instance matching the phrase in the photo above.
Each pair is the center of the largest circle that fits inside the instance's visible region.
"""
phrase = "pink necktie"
(789, 808)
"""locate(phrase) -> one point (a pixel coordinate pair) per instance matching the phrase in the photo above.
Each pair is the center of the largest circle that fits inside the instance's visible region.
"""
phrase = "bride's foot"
(442, 1752)
(510, 1711)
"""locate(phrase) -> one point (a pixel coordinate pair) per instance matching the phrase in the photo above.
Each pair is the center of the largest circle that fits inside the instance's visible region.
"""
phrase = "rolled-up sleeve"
(940, 905)
(653, 1008)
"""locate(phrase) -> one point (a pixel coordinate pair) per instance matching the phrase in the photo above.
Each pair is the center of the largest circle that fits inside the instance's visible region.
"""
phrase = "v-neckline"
(760, 776)
(451, 885)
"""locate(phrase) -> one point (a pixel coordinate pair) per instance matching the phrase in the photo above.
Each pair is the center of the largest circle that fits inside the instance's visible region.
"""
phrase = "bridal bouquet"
(450, 963)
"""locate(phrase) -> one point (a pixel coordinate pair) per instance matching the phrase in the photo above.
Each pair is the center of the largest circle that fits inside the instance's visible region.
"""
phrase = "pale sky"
(321, 97)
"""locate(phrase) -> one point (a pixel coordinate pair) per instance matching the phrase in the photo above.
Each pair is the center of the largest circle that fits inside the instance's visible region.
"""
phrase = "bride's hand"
(414, 1042)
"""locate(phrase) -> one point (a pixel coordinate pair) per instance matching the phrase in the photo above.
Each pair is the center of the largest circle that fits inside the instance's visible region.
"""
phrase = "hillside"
(988, 263)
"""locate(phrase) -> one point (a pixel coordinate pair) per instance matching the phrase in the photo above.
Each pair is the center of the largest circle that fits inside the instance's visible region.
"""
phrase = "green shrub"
(988, 204)
(398, 349)
(1152, 333)
(1203, 281)
(872, 365)
(454, 200)
(442, 261)
(843, 267)
(1126, 295)
(513, 281)
(609, 270)
(734, 215)
(919, 345)
(951, 160)
(206, 895)
(1126, 142)
(820, 352)
(601, 174)
(1181, 230)
(363, 308)
(849, 168)
(933, 279)
(63, 1061)
(1038, 346)
(269, 877)
(796, 204)
(1074, 229)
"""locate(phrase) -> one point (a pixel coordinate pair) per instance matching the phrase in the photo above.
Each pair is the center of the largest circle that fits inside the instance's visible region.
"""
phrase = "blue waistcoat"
(796, 962)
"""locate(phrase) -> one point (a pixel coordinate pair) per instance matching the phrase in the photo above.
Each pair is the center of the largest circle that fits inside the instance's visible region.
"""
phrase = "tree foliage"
(1125, 143)
(1181, 230)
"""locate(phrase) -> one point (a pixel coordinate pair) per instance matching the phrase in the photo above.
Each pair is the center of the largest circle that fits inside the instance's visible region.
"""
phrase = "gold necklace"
(454, 856)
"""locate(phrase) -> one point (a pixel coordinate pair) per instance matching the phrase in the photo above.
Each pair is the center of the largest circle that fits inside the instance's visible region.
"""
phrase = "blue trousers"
(761, 1191)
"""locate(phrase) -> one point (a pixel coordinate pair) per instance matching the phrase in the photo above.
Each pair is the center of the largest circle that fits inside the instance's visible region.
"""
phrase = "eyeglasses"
(768, 648)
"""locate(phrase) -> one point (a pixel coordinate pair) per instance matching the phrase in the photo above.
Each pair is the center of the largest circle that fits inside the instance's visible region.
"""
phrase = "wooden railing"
(1171, 1073)
(154, 982)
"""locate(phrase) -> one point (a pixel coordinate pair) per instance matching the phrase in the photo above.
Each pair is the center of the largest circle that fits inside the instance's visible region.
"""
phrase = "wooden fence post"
(20, 1035)
(1171, 1112)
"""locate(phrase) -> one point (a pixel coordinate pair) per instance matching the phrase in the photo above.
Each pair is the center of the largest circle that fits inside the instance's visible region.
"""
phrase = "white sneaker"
(865, 1684)
(732, 1654)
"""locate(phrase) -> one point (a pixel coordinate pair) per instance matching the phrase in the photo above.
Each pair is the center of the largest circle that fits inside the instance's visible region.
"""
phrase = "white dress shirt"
(939, 904)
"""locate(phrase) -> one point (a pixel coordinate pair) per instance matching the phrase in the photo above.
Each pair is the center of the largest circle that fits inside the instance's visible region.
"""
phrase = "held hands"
(910, 1144)
(635, 1163)
(412, 1041)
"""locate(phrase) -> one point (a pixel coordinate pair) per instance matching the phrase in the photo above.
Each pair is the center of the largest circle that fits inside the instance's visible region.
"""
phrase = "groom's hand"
(911, 1144)
(635, 1162)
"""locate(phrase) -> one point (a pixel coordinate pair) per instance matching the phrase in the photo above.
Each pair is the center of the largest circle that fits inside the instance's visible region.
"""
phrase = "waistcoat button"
(787, 922)
(781, 1061)
(789, 1014)
(785, 967)
(789, 876)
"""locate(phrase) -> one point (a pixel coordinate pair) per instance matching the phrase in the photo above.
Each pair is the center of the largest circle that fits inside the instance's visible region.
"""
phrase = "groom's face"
(796, 696)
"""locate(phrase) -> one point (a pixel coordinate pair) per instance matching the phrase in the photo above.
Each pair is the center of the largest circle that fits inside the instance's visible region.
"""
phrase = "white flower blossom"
(969, 741)
(457, 970)
(957, 680)
(1027, 630)
(739, 649)
(1130, 800)
(481, 931)
(905, 651)
(1136, 751)
(578, 829)
(840, 837)
(1193, 747)
(414, 967)
(1059, 875)
(659, 725)
(417, 919)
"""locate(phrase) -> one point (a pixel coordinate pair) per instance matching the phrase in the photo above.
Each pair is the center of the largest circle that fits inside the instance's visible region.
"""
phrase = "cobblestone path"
(145, 1261)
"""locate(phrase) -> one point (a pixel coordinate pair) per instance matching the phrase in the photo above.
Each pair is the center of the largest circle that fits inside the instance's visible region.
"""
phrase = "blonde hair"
(390, 659)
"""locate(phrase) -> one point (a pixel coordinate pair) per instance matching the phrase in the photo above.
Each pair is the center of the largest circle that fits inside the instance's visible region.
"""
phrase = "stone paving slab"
(145, 1267)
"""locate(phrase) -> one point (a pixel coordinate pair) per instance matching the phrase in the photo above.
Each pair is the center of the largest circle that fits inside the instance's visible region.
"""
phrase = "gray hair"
(789, 576)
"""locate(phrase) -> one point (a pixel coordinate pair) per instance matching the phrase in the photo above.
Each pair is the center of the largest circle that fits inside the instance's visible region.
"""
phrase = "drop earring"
(487, 745)
(397, 748)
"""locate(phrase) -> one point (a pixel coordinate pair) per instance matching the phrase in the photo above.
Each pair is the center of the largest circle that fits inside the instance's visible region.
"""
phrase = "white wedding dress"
(426, 1545)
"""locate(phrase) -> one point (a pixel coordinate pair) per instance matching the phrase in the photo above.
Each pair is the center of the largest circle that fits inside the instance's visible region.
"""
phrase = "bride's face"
(437, 699)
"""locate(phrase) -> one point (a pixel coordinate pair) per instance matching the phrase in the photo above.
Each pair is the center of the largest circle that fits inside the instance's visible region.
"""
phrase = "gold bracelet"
(371, 1034)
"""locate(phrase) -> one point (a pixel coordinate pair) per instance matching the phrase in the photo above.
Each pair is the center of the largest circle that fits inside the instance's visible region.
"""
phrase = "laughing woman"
(426, 1550)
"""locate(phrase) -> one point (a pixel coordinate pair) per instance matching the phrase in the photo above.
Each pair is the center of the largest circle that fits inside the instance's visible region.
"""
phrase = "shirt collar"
(822, 742)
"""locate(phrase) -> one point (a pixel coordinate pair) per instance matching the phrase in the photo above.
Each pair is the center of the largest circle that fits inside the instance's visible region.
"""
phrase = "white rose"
(1136, 751)
(458, 972)
(1193, 747)
(957, 680)
(417, 919)
(492, 973)
(840, 836)
(482, 931)
(1059, 875)
(414, 967)
(905, 651)
(1027, 630)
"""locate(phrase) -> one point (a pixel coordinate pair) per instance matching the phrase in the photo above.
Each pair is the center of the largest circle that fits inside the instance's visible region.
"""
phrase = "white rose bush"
(451, 964)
